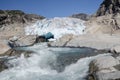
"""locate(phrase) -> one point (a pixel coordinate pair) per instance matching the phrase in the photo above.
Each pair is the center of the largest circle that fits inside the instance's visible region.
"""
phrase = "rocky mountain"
(109, 7)
(106, 19)
(13, 16)
(82, 16)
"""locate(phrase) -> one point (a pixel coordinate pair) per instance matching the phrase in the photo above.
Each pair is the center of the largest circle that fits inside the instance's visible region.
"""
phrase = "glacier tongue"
(57, 26)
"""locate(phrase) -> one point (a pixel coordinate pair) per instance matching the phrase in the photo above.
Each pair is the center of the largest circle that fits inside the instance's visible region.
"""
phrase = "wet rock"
(103, 68)
(14, 52)
(3, 47)
(2, 65)
(11, 54)
(116, 49)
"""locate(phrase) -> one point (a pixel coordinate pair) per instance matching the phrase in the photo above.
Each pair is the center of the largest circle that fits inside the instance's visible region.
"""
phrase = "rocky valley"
(26, 37)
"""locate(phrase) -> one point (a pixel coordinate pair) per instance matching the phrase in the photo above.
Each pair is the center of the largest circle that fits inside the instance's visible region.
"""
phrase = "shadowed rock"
(11, 54)
(81, 16)
(109, 7)
(12, 16)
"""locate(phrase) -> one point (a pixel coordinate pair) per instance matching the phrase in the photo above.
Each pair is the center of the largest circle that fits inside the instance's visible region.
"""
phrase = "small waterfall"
(39, 66)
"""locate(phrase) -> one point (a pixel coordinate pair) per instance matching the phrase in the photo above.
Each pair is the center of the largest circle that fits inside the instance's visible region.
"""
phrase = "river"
(50, 64)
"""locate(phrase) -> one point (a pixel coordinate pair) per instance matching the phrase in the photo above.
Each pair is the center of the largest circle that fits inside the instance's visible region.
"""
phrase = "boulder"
(2, 65)
(103, 68)
(9, 55)
(116, 49)
(26, 40)
(3, 47)
(62, 41)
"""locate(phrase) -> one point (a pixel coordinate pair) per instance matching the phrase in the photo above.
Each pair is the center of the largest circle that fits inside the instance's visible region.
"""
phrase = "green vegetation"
(2, 12)
(14, 12)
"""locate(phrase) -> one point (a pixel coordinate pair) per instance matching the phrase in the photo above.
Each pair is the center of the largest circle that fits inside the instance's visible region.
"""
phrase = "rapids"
(49, 64)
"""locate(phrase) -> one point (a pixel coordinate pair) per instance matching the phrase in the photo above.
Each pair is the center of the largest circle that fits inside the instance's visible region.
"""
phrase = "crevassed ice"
(57, 26)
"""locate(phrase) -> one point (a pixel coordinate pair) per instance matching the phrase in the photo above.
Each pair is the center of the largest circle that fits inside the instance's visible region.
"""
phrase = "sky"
(52, 8)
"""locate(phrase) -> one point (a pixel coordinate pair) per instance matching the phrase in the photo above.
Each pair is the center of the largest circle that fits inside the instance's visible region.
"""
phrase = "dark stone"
(2, 65)
(13, 44)
(117, 67)
(109, 7)
(12, 16)
(82, 16)
(44, 38)
(92, 71)
(17, 52)
(3, 17)
(12, 52)
(40, 39)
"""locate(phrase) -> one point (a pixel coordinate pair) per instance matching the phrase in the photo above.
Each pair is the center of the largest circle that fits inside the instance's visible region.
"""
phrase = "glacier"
(57, 26)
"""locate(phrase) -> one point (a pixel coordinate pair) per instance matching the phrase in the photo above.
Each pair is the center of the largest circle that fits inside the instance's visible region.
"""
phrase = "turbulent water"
(42, 65)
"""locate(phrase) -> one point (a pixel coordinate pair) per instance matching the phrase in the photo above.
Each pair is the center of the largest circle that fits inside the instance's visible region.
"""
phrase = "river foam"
(38, 67)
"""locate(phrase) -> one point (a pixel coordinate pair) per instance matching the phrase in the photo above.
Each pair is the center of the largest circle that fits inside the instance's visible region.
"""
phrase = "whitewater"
(38, 66)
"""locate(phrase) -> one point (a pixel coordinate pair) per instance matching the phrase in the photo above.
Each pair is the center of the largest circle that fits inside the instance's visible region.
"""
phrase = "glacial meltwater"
(50, 64)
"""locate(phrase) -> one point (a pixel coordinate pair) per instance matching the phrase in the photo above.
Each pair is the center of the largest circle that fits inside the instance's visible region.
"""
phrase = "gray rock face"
(82, 16)
(9, 55)
(104, 68)
(109, 7)
(106, 19)
(12, 16)
(116, 50)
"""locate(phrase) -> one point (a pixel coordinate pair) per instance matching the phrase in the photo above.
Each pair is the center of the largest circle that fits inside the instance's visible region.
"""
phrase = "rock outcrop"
(13, 16)
(105, 68)
(106, 19)
(105, 24)
(22, 41)
(81, 16)
(109, 7)
(102, 41)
